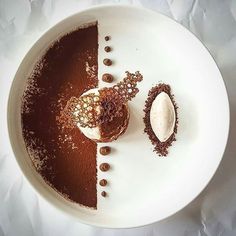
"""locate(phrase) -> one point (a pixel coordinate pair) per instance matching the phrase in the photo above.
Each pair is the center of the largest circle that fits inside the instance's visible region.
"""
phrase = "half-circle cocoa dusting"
(64, 157)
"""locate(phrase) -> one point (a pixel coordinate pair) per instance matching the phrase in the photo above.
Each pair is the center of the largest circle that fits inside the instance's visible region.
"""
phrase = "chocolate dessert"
(64, 157)
(102, 115)
(64, 115)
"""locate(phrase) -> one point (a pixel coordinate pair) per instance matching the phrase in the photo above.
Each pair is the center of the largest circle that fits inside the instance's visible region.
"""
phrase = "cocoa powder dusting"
(64, 157)
(93, 110)
(161, 148)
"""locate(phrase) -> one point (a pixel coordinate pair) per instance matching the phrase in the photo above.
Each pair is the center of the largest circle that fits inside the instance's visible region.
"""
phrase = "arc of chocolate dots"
(107, 62)
(111, 104)
(105, 150)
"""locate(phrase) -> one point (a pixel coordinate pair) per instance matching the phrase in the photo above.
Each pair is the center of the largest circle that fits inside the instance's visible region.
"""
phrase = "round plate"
(144, 188)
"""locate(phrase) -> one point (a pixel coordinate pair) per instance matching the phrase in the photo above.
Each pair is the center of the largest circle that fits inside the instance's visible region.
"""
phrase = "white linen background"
(23, 213)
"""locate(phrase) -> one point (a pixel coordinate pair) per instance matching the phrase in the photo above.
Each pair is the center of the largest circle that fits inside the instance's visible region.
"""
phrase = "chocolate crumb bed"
(161, 148)
(105, 150)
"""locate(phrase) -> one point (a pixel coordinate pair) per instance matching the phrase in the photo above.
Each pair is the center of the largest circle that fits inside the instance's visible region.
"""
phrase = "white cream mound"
(162, 116)
(91, 133)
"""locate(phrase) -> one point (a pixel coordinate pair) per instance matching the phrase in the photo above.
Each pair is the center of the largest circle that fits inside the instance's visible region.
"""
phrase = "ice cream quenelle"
(162, 116)
(102, 114)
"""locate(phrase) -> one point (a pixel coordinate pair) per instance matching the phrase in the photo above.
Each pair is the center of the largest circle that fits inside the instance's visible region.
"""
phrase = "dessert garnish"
(105, 150)
(107, 78)
(103, 193)
(161, 118)
(107, 38)
(104, 167)
(107, 49)
(103, 182)
(107, 62)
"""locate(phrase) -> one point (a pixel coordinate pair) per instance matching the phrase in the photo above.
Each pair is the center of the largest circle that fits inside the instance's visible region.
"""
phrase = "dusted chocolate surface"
(112, 130)
(64, 157)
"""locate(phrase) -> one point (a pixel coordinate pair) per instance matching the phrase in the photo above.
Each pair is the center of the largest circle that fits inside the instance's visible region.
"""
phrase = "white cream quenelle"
(162, 116)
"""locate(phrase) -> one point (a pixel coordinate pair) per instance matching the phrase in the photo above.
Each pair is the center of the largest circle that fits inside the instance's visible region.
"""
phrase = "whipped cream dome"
(91, 133)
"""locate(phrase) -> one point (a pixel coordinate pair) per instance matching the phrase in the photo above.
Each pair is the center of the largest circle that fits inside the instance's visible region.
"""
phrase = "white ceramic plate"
(144, 187)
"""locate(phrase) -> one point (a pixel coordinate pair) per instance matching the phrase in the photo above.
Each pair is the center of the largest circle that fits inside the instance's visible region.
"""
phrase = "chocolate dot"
(107, 38)
(107, 49)
(105, 150)
(103, 182)
(107, 62)
(107, 78)
(104, 167)
(103, 193)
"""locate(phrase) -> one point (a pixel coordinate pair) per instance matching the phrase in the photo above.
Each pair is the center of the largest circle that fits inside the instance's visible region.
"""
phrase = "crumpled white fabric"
(23, 213)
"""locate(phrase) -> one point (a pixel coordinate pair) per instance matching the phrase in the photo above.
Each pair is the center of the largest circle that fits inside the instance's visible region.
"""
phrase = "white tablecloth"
(23, 213)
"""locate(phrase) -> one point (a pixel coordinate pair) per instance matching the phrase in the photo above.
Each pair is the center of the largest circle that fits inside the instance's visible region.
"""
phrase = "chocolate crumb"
(107, 38)
(105, 150)
(107, 62)
(103, 193)
(103, 182)
(161, 148)
(107, 78)
(104, 167)
(107, 49)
